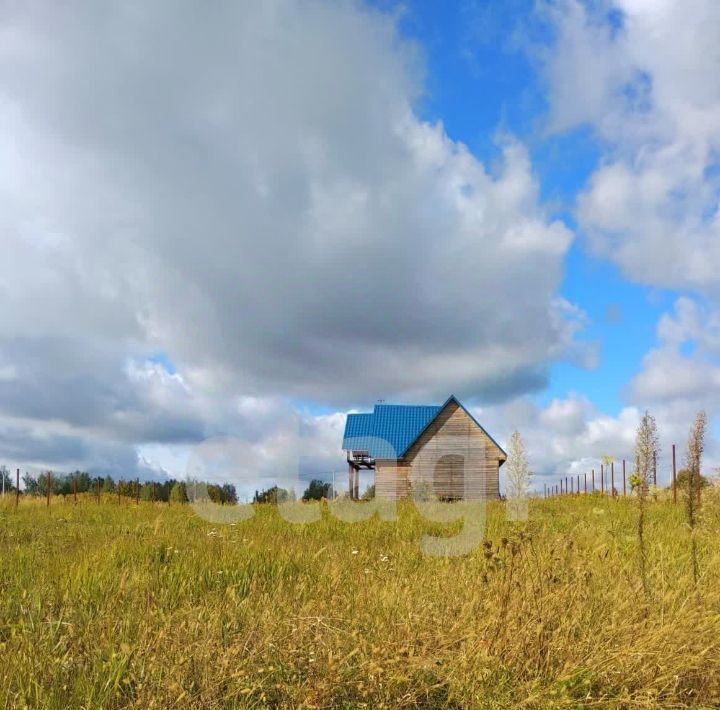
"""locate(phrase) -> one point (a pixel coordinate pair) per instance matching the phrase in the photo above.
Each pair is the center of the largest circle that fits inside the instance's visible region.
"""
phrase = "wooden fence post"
(674, 475)
(48, 485)
(624, 480)
(612, 479)
(153, 491)
(585, 474)
(654, 468)
(17, 488)
(75, 489)
(602, 478)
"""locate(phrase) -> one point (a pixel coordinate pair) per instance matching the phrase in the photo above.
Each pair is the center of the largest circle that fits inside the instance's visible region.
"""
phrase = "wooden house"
(411, 448)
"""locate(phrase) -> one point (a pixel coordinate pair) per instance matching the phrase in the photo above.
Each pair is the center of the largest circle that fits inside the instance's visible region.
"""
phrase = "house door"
(449, 477)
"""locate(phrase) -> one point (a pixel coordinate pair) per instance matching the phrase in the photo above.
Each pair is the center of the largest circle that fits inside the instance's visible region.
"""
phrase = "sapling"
(646, 448)
(693, 456)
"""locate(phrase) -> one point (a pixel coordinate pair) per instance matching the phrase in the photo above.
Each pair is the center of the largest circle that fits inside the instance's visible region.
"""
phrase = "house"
(439, 449)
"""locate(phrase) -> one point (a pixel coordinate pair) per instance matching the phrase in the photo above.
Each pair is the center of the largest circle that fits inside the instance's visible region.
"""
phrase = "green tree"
(317, 490)
(6, 483)
(369, 493)
(178, 493)
(108, 485)
(273, 495)
(683, 478)
(30, 485)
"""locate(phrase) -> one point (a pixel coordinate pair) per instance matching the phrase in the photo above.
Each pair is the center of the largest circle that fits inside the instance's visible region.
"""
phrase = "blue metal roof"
(358, 432)
(388, 432)
(391, 429)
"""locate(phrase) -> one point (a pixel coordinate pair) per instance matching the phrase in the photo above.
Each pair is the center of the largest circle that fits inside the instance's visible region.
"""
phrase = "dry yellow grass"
(152, 606)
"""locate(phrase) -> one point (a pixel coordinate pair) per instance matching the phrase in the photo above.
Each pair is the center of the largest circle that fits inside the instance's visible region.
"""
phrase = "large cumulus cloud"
(247, 190)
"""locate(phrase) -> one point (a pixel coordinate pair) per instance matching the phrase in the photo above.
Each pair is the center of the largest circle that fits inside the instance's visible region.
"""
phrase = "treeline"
(169, 490)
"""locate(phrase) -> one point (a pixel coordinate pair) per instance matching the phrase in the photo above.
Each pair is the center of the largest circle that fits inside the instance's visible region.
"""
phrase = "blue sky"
(483, 80)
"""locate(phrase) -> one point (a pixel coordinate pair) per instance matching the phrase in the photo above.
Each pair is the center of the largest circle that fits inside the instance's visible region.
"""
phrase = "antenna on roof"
(380, 401)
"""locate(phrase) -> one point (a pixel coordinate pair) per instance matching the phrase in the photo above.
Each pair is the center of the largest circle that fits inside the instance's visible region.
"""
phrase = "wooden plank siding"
(453, 458)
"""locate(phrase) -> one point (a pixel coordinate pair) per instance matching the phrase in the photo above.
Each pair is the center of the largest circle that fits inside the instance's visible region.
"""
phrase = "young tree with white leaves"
(646, 450)
(693, 457)
(518, 479)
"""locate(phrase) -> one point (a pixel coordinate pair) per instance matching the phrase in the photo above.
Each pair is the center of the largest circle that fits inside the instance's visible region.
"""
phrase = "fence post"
(593, 480)
(674, 475)
(612, 479)
(585, 474)
(118, 490)
(137, 491)
(624, 480)
(655, 468)
(153, 491)
(48, 485)
(17, 488)
(97, 490)
(75, 489)
(602, 478)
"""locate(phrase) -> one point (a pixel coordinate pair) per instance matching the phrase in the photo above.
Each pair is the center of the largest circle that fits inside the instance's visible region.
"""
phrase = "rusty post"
(17, 488)
(624, 480)
(655, 468)
(674, 475)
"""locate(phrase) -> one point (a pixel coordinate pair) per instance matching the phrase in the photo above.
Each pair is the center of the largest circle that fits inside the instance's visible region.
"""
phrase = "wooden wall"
(453, 458)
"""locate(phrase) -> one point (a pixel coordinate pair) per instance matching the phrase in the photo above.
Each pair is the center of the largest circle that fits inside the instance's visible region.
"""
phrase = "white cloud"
(249, 192)
(649, 84)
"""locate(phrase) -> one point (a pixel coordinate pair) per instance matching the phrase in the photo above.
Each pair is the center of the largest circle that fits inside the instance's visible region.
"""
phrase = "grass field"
(151, 606)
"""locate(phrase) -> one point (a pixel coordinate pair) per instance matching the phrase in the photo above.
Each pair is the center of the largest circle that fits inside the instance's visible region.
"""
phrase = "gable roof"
(392, 429)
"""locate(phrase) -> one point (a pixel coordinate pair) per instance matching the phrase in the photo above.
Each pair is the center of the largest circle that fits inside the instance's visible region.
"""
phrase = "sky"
(224, 227)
